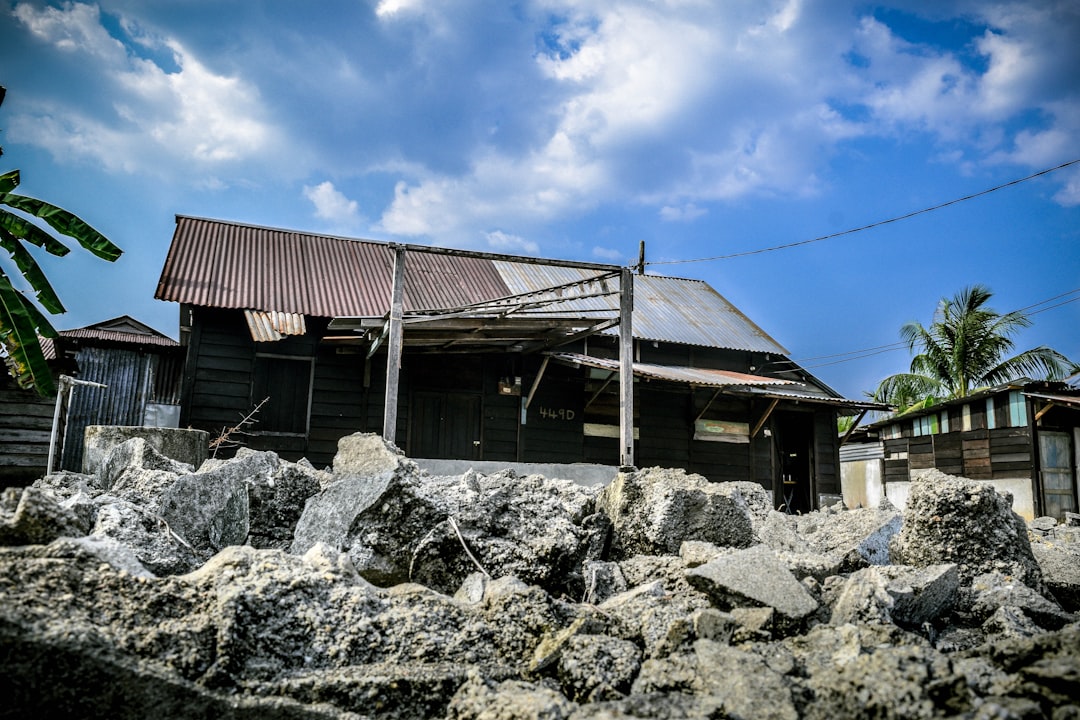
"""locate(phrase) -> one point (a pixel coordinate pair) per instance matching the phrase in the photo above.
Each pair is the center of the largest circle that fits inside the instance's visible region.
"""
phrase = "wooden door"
(445, 425)
(1056, 473)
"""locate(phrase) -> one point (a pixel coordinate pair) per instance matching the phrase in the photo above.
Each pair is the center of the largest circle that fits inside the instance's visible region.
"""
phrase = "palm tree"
(21, 322)
(965, 348)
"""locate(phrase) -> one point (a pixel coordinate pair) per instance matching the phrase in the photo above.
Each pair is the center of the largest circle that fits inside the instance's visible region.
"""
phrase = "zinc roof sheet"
(703, 377)
(667, 309)
(214, 263)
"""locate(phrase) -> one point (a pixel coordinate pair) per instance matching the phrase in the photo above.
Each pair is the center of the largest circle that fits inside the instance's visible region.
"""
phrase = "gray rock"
(368, 455)
(184, 445)
(147, 534)
(1010, 622)
(132, 457)
(38, 519)
(994, 590)
(1060, 565)
(739, 683)
(844, 539)
(591, 662)
(602, 581)
(653, 511)
(478, 699)
(955, 520)
(208, 510)
(277, 491)
(904, 595)
(753, 577)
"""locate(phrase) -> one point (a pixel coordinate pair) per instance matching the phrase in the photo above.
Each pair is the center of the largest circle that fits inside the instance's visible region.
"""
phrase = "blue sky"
(576, 129)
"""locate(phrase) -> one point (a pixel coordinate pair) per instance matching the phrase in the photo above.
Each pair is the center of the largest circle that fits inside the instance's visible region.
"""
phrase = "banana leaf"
(20, 324)
(9, 181)
(29, 232)
(66, 223)
(32, 272)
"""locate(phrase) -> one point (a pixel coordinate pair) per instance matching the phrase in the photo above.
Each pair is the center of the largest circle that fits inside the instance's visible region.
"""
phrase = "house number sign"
(556, 413)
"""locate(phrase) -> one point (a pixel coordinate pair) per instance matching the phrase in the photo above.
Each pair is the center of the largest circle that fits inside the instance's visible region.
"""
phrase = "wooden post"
(393, 347)
(626, 368)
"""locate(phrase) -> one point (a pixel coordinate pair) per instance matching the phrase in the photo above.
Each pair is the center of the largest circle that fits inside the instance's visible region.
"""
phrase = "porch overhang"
(698, 377)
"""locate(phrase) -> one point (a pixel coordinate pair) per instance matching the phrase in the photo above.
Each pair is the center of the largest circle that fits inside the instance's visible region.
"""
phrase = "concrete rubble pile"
(260, 588)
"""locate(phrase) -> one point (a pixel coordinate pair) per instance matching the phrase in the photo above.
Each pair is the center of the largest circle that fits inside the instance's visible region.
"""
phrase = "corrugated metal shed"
(213, 263)
(123, 329)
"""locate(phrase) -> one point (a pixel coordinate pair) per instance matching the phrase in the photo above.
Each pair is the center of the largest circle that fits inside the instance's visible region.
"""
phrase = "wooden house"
(1021, 436)
(488, 358)
(139, 369)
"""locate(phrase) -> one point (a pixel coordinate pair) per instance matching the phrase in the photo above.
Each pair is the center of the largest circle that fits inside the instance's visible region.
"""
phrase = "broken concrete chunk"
(993, 590)
(155, 546)
(653, 511)
(208, 510)
(589, 662)
(1060, 565)
(904, 595)
(183, 446)
(38, 519)
(753, 577)
(135, 456)
(368, 455)
(741, 682)
(603, 580)
(956, 520)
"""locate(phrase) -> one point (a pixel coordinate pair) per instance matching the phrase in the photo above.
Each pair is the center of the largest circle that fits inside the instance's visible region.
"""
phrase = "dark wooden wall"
(25, 426)
(977, 454)
(348, 394)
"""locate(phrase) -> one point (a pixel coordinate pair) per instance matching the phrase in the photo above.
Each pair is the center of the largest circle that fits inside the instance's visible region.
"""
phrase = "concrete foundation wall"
(1020, 489)
(861, 483)
(586, 474)
(189, 446)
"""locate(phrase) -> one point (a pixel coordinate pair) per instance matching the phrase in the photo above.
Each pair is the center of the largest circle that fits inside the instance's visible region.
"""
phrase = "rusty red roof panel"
(214, 263)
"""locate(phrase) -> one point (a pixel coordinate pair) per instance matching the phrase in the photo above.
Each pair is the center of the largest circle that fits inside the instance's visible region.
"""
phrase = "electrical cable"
(879, 223)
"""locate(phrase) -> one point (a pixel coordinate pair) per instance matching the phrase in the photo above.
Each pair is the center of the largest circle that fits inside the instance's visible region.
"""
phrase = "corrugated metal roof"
(214, 263)
(221, 264)
(273, 326)
(124, 329)
(702, 377)
(667, 309)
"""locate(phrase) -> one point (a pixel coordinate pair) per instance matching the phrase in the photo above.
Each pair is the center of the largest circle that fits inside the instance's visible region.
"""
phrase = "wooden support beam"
(1045, 409)
(852, 428)
(393, 348)
(626, 368)
(536, 382)
(757, 427)
(708, 405)
(611, 376)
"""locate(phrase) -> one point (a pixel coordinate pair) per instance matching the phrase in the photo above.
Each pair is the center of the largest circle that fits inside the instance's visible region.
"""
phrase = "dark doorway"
(794, 445)
(445, 425)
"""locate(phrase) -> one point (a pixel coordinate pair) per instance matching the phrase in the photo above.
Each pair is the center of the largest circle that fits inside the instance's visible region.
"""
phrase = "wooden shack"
(1022, 436)
(498, 358)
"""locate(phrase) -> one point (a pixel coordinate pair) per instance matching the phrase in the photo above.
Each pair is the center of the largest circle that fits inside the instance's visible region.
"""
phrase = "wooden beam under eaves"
(757, 427)
(852, 428)
(1045, 409)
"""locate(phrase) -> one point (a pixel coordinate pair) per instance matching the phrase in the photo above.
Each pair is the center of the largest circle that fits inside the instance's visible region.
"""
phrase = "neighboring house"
(1021, 436)
(141, 369)
(501, 358)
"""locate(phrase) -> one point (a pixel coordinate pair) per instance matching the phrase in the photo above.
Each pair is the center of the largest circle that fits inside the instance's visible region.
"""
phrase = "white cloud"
(685, 213)
(609, 254)
(74, 27)
(389, 8)
(192, 115)
(513, 244)
(332, 205)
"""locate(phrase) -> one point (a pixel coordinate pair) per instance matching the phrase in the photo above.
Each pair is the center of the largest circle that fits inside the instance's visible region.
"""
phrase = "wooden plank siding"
(25, 427)
(348, 391)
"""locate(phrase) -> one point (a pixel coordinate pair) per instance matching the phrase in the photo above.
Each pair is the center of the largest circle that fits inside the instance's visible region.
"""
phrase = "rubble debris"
(956, 520)
(254, 587)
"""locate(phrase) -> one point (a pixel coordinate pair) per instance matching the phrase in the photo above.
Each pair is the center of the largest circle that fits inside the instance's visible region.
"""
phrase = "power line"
(851, 355)
(879, 223)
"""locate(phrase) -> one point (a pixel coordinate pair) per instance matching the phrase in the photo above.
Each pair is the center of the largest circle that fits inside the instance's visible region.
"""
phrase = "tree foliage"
(965, 348)
(21, 322)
